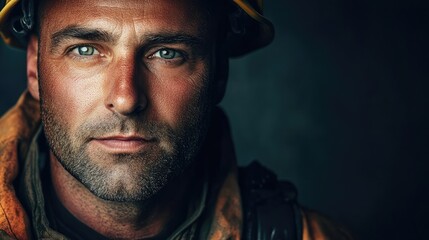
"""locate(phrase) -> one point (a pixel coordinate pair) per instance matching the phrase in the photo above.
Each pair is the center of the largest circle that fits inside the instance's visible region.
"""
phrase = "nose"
(126, 92)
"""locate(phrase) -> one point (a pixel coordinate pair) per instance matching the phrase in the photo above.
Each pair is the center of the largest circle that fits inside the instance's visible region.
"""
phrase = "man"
(128, 142)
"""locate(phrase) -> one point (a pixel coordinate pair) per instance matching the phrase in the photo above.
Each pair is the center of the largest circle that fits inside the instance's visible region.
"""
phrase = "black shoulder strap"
(270, 209)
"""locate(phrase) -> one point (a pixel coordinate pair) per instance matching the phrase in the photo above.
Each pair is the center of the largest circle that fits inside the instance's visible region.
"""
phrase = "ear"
(32, 72)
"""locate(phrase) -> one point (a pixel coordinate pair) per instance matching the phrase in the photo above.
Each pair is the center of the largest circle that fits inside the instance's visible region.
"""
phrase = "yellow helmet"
(250, 29)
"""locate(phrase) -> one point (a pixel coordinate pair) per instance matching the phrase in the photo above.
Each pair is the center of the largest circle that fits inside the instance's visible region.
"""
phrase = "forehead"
(170, 15)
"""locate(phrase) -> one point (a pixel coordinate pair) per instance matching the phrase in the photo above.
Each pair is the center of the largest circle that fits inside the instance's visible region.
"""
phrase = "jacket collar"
(17, 128)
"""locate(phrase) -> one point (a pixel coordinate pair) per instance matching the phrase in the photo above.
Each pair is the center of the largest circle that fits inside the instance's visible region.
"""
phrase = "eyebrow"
(172, 38)
(99, 35)
(74, 32)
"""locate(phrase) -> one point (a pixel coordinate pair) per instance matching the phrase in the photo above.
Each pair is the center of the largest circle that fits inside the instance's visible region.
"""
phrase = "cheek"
(64, 93)
(181, 99)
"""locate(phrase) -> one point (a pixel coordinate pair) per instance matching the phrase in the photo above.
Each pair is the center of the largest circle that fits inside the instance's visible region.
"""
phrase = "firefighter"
(118, 135)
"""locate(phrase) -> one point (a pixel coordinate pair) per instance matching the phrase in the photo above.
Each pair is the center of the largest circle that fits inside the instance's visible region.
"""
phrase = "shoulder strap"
(270, 209)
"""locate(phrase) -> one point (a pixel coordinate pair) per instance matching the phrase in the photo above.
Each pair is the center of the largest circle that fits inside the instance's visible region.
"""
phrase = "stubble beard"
(130, 177)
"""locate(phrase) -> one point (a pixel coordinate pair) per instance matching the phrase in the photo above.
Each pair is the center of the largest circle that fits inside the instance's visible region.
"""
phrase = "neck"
(153, 218)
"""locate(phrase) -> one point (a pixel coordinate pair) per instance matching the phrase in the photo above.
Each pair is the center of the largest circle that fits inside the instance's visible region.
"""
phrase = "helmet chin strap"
(23, 24)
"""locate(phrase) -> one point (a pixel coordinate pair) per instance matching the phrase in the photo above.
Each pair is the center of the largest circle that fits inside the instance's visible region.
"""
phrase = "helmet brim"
(5, 26)
(259, 31)
(255, 31)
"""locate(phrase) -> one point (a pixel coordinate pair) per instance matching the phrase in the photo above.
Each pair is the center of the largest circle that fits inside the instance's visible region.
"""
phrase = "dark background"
(337, 104)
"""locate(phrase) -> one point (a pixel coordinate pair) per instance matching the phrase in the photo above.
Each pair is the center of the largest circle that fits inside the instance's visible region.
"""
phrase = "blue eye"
(167, 54)
(85, 50)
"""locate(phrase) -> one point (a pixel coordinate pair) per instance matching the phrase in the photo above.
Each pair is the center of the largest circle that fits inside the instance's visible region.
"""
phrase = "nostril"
(126, 104)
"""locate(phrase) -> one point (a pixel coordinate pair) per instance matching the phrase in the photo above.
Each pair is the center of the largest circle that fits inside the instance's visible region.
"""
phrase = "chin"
(126, 178)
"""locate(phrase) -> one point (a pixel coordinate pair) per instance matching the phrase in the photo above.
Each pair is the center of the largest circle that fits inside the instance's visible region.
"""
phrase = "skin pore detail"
(125, 102)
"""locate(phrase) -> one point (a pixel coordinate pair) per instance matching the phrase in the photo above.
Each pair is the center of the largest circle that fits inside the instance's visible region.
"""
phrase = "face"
(126, 90)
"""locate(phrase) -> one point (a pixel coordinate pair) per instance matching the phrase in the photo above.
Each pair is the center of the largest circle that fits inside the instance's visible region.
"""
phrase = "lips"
(123, 144)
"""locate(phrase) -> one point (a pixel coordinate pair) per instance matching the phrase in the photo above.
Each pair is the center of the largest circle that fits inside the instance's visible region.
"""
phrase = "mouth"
(123, 144)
